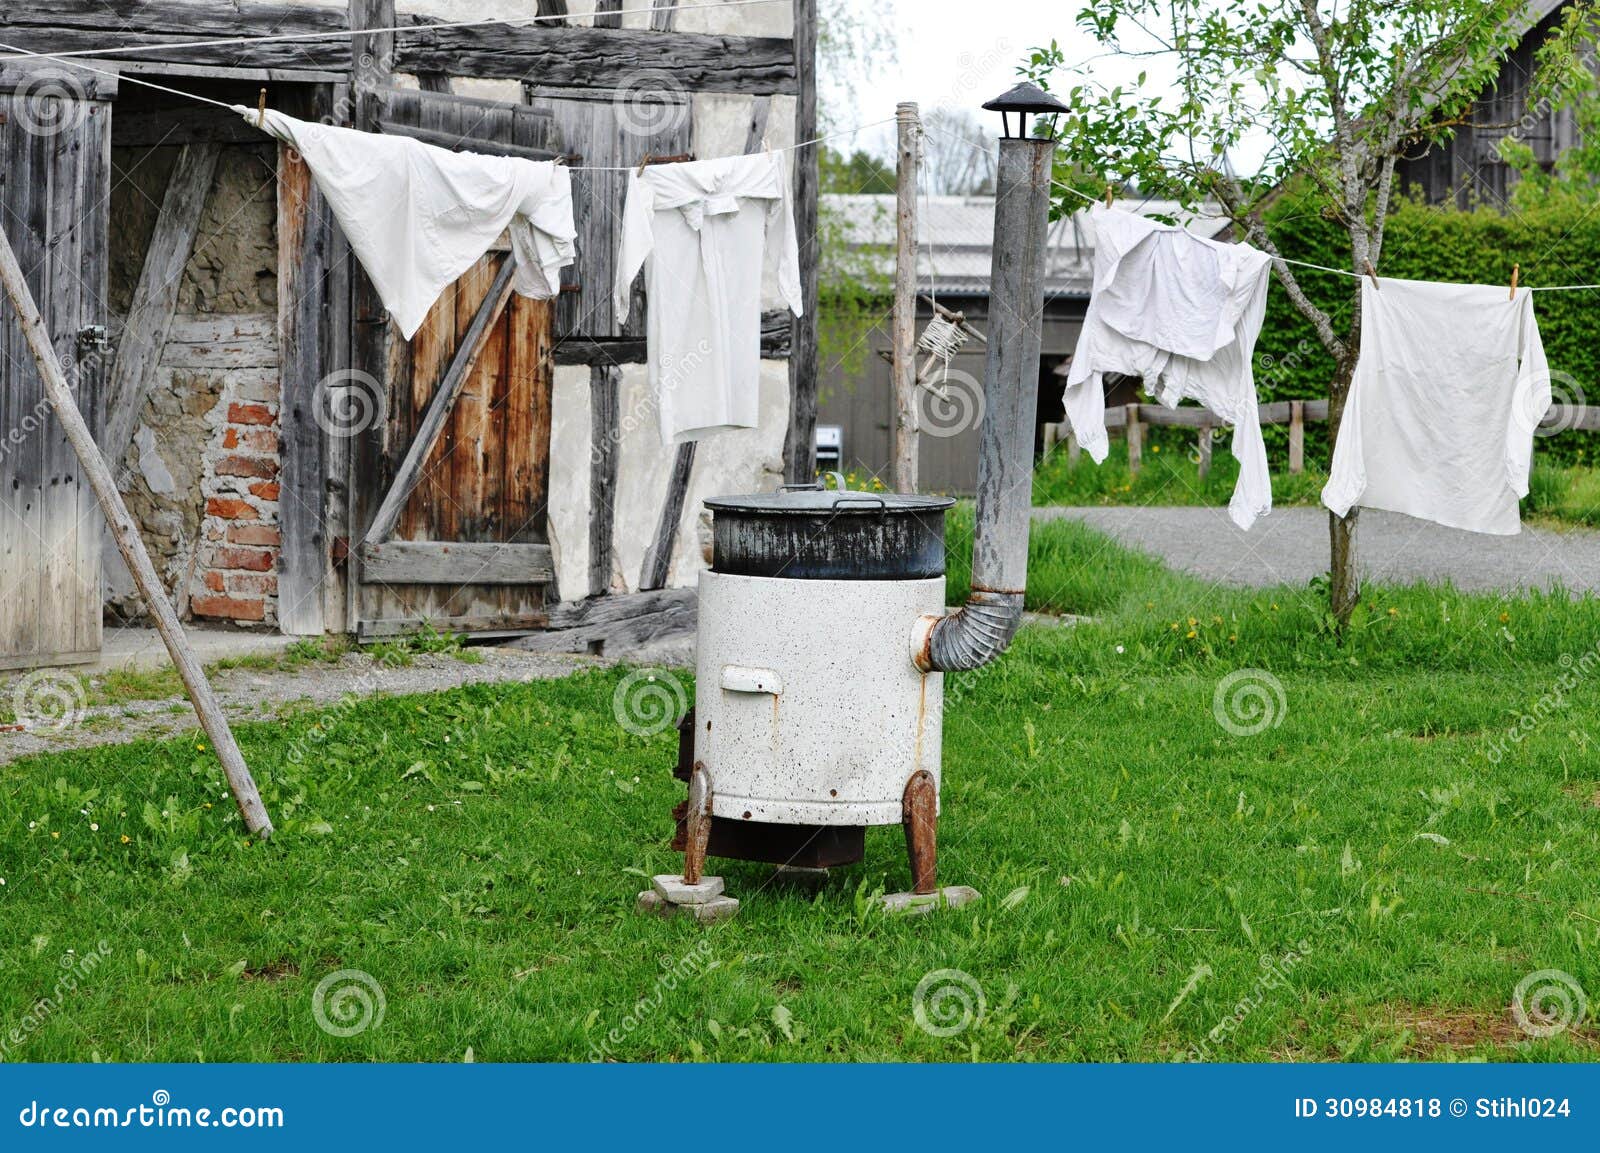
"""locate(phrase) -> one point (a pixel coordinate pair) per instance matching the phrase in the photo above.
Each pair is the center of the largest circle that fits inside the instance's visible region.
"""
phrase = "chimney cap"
(1025, 97)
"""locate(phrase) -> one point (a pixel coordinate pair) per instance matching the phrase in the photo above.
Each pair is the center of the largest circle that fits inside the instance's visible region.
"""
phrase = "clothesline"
(1281, 259)
(400, 29)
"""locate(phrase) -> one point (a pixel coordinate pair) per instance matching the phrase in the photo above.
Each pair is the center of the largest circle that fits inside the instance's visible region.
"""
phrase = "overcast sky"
(959, 53)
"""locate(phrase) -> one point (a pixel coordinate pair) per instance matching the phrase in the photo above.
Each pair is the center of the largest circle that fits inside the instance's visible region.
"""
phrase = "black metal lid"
(811, 500)
(1025, 97)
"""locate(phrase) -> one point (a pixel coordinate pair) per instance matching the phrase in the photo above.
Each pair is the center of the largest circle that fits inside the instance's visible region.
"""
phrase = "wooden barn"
(291, 461)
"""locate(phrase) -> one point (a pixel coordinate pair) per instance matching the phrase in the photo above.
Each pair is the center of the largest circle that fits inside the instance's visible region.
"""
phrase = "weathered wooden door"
(55, 161)
(452, 487)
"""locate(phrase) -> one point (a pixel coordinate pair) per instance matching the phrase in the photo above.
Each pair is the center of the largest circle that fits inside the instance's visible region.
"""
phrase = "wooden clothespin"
(1111, 196)
(1516, 273)
(1373, 272)
(645, 163)
(261, 109)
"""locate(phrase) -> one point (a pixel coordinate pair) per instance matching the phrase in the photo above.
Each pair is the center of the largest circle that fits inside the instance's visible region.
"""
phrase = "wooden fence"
(1132, 419)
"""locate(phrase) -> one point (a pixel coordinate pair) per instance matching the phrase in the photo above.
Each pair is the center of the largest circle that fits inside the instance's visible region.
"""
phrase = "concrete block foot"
(679, 892)
(716, 909)
(949, 897)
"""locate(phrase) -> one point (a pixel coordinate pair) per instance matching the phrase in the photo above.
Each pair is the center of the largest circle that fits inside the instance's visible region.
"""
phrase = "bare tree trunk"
(1344, 581)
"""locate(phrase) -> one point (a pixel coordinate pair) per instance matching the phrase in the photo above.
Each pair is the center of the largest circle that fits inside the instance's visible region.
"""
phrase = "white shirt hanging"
(1184, 314)
(716, 239)
(1450, 387)
(417, 216)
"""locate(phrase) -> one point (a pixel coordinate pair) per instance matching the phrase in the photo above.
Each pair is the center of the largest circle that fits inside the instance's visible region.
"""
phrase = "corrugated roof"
(955, 235)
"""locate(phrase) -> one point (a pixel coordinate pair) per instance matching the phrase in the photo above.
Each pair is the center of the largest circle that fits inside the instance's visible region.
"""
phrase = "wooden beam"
(424, 562)
(658, 557)
(155, 298)
(444, 399)
(453, 142)
(633, 619)
(564, 57)
(25, 75)
(775, 334)
(126, 533)
(199, 124)
(800, 442)
(477, 627)
(608, 13)
(605, 382)
(305, 240)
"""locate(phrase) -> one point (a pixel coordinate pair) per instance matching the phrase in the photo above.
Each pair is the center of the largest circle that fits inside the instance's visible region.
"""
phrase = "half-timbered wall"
(242, 304)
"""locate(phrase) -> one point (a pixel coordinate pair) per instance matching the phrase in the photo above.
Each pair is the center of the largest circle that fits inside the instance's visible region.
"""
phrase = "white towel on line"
(1449, 390)
(418, 216)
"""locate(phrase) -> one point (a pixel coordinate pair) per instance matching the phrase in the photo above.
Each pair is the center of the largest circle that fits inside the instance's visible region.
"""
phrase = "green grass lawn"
(1367, 878)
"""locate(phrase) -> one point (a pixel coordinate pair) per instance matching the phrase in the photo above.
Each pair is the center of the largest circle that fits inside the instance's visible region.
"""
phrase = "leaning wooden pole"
(123, 530)
(909, 124)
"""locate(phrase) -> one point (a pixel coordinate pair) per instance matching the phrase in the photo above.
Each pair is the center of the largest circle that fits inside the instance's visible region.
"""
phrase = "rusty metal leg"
(699, 825)
(920, 817)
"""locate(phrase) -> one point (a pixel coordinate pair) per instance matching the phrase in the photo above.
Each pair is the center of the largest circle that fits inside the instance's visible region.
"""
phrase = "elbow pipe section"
(969, 638)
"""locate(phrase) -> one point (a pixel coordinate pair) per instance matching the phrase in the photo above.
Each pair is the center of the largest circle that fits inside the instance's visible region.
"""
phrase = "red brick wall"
(235, 575)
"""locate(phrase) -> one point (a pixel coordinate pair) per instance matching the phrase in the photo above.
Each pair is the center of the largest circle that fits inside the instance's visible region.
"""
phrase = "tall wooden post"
(126, 534)
(800, 442)
(909, 124)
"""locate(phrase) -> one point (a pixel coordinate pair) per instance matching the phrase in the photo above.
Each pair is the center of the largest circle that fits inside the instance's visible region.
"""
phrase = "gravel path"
(256, 695)
(1291, 547)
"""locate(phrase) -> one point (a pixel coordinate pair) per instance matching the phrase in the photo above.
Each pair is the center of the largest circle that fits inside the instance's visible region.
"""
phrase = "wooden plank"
(1297, 436)
(566, 57)
(304, 237)
(126, 534)
(34, 76)
(423, 562)
(139, 67)
(637, 618)
(477, 627)
(74, 25)
(658, 557)
(153, 127)
(605, 383)
(608, 14)
(155, 298)
(444, 398)
(800, 441)
(666, 11)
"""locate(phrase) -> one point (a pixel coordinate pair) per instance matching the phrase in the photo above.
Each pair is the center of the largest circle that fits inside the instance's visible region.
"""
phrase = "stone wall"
(200, 476)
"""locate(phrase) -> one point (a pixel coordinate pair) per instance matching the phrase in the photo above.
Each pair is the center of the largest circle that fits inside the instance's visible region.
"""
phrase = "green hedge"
(1556, 243)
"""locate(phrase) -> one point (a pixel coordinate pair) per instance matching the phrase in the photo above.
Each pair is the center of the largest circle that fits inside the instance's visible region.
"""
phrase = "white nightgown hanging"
(716, 239)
